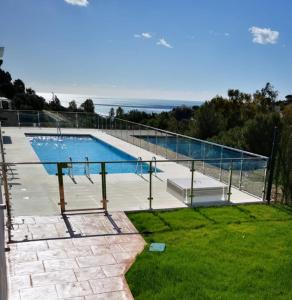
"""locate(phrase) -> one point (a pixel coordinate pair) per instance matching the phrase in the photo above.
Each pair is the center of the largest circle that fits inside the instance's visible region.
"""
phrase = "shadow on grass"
(197, 218)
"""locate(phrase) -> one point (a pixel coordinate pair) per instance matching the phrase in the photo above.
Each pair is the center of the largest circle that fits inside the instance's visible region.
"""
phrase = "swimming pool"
(54, 148)
(201, 150)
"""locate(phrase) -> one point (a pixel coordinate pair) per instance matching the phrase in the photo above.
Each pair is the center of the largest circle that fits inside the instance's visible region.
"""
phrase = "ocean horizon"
(103, 104)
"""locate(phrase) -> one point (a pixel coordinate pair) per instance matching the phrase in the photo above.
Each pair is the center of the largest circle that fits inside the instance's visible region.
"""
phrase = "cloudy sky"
(173, 49)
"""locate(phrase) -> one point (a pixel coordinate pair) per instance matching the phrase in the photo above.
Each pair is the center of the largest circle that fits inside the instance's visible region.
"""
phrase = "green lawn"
(234, 252)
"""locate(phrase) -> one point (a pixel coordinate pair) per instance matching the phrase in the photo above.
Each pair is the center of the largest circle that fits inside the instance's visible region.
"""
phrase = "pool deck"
(34, 192)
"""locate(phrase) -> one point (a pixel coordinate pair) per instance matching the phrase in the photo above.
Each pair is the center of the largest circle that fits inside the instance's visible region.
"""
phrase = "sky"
(161, 49)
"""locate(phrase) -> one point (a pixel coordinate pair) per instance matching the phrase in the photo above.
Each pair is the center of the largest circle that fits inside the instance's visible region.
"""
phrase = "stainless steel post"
(230, 181)
(240, 173)
(192, 182)
(221, 157)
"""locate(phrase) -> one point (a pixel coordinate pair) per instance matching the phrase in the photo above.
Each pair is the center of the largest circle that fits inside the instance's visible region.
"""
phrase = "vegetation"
(238, 252)
(243, 121)
(26, 99)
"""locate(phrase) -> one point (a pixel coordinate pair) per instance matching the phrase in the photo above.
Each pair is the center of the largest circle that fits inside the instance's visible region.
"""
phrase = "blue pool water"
(52, 148)
(199, 150)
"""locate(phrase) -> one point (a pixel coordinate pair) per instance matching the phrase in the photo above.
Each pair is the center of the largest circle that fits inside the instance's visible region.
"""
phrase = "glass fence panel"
(82, 181)
(128, 192)
(136, 139)
(33, 192)
(28, 118)
(253, 176)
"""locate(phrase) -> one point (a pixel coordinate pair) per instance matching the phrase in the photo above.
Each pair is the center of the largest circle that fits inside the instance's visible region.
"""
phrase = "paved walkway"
(80, 257)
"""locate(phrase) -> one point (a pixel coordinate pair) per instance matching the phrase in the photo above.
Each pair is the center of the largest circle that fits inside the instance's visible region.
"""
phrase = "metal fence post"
(140, 136)
(155, 142)
(6, 187)
(265, 181)
(60, 174)
(204, 157)
(166, 146)
(271, 165)
(176, 147)
(103, 186)
(192, 182)
(18, 118)
(221, 157)
(76, 120)
(39, 123)
(230, 181)
(240, 173)
(150, 198)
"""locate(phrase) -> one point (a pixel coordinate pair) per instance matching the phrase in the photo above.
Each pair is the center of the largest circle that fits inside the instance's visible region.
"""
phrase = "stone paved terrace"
(78, 257)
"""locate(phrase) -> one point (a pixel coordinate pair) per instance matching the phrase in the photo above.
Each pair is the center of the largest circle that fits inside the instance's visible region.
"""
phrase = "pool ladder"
(139, 166)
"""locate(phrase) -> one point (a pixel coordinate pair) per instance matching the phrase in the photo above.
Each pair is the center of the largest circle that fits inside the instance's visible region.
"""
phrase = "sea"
(103, 105)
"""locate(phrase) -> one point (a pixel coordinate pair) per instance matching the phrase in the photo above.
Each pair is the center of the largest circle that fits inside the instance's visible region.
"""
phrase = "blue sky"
(173, 49)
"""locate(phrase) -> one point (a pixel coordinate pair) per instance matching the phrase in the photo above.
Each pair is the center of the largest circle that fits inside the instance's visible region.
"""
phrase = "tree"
(258, 133)
(30, 91)
(208, 122)
(55, 104)
(72, 106)
(266, 97)
(112, 113)
(288, 98)
(119, 112)
(87, 106)
(19, 86)
(6, 86)
(233, 94)
(182, 112)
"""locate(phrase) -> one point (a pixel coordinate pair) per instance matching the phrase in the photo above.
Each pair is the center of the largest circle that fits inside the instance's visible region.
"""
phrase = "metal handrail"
(144, 161)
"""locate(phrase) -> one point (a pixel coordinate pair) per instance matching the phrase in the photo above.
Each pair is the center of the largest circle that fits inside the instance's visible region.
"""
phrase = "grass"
(234, 252)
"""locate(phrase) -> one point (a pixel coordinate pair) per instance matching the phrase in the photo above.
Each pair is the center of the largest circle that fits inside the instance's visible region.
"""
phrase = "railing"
(160, 142)
(180, 147)
(106, 184)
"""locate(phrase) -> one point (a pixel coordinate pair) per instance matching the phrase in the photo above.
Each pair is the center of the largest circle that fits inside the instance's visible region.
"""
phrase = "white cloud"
(164, 43)
(264, 35)
(146, 35)
(77, 2)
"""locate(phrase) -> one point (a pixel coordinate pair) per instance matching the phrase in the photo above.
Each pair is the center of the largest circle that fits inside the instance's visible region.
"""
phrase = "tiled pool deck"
(34, 192)
(81, 256)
